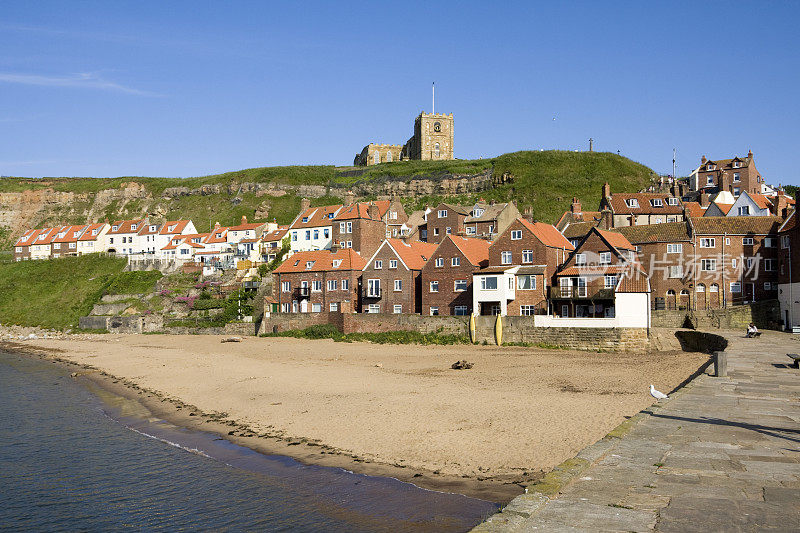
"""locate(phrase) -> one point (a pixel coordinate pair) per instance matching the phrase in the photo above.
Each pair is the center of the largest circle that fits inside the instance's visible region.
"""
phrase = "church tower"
(433, 137)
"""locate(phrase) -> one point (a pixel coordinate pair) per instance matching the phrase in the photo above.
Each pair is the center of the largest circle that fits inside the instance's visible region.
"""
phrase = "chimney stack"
(305, 204)
(606, 220)
(528, 214)
(244, 219)
(703, 160)
(349, 198)
(750, 154)
(334, 247)
(606, 192)
(704, 199)
(576, 206)
(374, 212)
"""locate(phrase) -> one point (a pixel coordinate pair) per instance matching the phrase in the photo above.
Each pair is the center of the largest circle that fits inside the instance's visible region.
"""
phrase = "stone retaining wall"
(765, 315)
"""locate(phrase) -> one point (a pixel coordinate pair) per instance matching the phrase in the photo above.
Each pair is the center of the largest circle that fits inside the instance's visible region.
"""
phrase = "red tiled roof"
(247, 226)
(694, 209)
(790, 222)
(361, 210)
(725, 208)
(634, 281)
(735, 225)
(212, 237)
(317, 216)
(617, 240)
(275, 235)
(414, 254)
(28, 237)
(548, 234)
(760, 200)
(147, 231)
(125, 226)
(71, 234)
(322, 261)
(179, 226)
(49, 236)
(475, 250)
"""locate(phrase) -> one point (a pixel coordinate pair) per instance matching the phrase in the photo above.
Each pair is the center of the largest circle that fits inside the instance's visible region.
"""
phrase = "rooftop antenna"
(674, 152)
(433, 98)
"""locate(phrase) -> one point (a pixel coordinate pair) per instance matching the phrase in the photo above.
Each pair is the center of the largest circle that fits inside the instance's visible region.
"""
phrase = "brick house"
(446, 219)
(735, 175)
(66, 242)
(391, 281)
(522, 261)
(634, 209)
(41, 247)
(22, 248)
(576, 214)
(487, 220)
(360, 226)
(317, 281)
(738, 256)
(447, 276)
(585, 285)
(789, 271)
(312, 228)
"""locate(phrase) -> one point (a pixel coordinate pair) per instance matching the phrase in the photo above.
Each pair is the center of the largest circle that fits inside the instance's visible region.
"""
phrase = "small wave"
(175, 444)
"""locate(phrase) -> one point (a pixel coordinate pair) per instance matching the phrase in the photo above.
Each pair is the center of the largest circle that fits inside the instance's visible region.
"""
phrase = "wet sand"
(387, 410)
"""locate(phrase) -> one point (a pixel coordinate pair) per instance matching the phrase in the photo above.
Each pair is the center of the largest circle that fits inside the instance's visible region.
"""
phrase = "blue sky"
(195, 88)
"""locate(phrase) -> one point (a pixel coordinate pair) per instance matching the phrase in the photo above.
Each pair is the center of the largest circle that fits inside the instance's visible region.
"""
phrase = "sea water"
(70, 460)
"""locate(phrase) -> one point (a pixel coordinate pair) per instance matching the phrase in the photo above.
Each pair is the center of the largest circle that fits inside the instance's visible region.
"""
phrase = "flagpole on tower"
(433, 98)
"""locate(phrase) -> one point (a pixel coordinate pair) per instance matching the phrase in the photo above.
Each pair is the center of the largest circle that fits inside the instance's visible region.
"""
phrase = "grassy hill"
(56, 293)
(545, 181)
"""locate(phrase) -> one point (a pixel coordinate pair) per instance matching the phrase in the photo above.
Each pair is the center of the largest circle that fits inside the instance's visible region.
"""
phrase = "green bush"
(134, 282)
(327, 331)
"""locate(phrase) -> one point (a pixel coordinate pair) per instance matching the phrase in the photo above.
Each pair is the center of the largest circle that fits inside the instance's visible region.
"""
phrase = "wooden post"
(720, 364)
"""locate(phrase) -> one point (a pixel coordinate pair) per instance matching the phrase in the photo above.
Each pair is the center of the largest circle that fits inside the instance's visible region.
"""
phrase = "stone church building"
(432, 140)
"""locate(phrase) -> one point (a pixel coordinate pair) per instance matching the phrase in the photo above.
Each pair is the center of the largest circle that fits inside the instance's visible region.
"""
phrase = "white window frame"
(527, 256)
(433, 286)
(397, 309)
(708, 242)
(674, 248)
(439, 262)
(457, 281)
(708, 265)
(532, 278)
(442, 213)
(398, 285)
(506, 257)
(392, 263)
(455, 261)
(485, 285)
(580, 259)
(516, 235)
(378, 264)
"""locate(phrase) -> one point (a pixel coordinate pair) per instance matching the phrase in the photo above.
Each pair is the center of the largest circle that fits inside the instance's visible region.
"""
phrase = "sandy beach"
(383, 409)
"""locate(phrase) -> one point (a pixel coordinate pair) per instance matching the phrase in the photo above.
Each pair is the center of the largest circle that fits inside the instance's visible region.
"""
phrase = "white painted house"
(313, 227)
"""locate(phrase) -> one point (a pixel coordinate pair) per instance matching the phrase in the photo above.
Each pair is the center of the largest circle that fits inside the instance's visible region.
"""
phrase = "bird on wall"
(658, 395)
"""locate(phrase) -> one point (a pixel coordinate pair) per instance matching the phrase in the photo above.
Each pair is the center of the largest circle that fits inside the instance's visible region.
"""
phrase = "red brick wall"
(446, 299)
(408, 297)
(366, 236)
(323, 297)
(454, 220)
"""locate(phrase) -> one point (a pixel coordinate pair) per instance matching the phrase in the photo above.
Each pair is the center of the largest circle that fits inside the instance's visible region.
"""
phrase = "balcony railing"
(583, 293)
(302, 292)
(371, 294)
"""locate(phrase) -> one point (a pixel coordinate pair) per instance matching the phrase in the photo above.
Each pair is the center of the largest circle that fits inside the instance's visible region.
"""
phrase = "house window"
(294, 236)
(471, 230)
(701, 287)
(435, 231)
(434, 311)
(735, 176)
(784, 241)
(769, 265)
(526, 282)
(736, 191)
(736, 287)
(18, 249)
(316, 308)
(336, 262)
(334, 307)
(527, 310)
(397, 309)
(727, 241)
(672, 200)
(345, 284)
(376, 157)
(316, 285)
(676, 271)
(747, 241)
(392, 263)
(434, 286)
(527, 256)
(770, 242)
(505, 258)
(461, 310)
(516, 234)
(349, 244)
(460, 285)
(440, 261)
(388, 156)
(308, 235)
(605, 258)
(456, 261)
(734, 262)
(674, 248)
(580, 259)
(442, 213)
(436, 150)
(708, 265)
(710, 179)
(708, 243)
(398, 285)
(488, 283)
(657, 202)
(770, 286)
(342, 227)
(373, 288)
(610, 281)
(310, 265)
(349, 227)
(744, 211)
(332, 284)
(316, 234)
(378, 264)
(633, 203)
(285, 307)
(374, 308)
(447, 230)
(713, 288)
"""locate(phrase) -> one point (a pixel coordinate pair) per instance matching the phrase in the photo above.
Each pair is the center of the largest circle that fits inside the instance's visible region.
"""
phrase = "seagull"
(658, 395)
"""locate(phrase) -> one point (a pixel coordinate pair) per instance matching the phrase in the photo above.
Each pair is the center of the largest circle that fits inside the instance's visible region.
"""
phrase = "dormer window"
(305, 219)
(633, 203)
(672, 201)
(710, 167)
(330, 215)
(133, 227)
(657, 202)
(735, 164)
(309, 264)
(94, 232)
(336, 263)
(219, 235)
(152, 228)
(477, 212)
(114, 228)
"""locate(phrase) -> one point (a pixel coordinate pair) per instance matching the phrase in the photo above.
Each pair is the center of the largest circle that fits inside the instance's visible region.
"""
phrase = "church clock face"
(437, 127)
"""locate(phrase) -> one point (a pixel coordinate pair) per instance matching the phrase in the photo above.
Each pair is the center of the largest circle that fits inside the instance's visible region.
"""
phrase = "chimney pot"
(606, 190)
(576, 206)
(703, 160)
(606, 220)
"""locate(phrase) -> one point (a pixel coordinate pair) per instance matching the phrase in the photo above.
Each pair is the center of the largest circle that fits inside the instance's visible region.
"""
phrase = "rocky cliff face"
(45, 206)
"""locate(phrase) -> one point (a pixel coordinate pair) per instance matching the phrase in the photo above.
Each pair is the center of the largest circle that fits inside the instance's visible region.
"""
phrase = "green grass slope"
(56, 293)
(545, 181)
